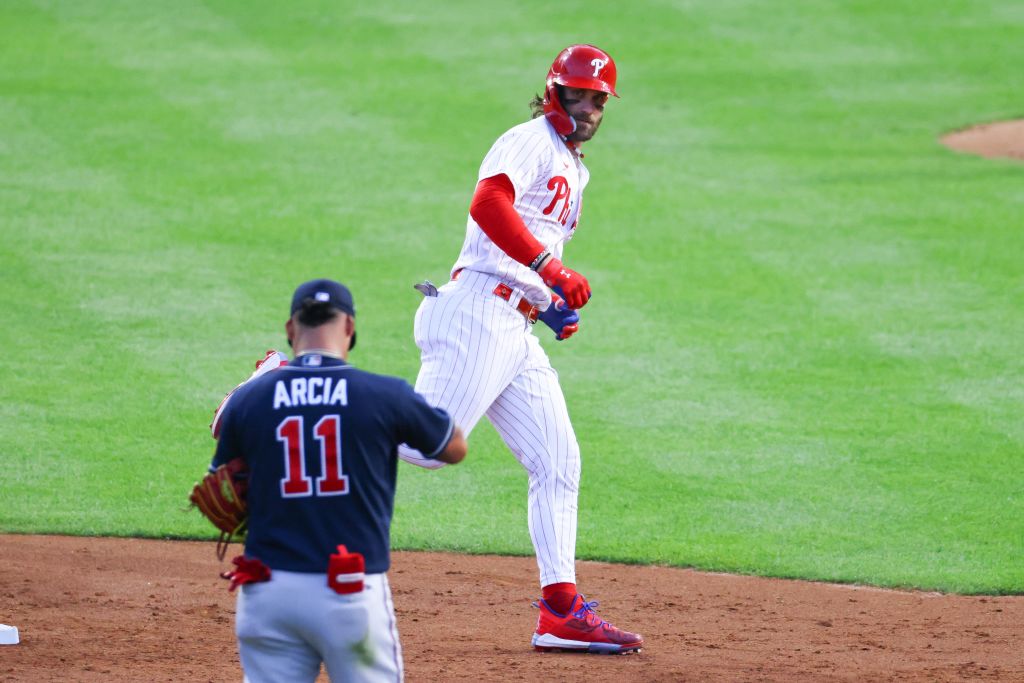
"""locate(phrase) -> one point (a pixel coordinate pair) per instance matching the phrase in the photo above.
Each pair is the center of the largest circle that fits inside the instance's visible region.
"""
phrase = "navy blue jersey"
(320, 438)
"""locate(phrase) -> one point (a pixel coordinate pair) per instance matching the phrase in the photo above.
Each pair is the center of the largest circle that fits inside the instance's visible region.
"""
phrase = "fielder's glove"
(560, 318)
(220, 496)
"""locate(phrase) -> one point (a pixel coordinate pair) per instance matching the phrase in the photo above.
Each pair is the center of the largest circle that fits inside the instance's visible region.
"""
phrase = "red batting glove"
(566, 282)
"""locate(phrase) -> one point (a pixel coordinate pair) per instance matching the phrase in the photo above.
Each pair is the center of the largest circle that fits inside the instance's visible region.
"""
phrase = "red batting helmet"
(577, 66)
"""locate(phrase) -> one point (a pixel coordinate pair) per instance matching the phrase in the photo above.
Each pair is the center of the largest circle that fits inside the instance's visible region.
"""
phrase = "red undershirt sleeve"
(493, 211)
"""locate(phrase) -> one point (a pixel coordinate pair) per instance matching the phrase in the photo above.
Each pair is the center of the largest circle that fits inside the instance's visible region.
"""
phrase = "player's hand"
(560, 318)
(566, 282)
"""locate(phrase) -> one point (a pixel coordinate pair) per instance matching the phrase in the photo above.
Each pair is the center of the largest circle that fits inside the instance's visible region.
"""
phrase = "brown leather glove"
(220, 496)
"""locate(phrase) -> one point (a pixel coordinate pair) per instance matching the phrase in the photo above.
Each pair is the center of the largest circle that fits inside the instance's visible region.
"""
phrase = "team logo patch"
(598, 64)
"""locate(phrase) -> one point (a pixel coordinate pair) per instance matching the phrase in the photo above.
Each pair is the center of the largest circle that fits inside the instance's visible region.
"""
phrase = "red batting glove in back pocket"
(346, 571)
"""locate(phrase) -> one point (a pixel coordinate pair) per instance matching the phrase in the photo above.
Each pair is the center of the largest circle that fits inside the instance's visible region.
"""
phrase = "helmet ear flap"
(554, 112)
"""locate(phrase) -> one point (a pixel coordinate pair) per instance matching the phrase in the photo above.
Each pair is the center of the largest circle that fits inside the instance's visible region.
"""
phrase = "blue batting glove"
(560, 318)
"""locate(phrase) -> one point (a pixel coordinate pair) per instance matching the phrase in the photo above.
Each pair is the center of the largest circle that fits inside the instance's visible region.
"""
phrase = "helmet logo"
(598, 64)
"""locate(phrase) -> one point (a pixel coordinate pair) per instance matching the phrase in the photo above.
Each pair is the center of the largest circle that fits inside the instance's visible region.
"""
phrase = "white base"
(8, 635)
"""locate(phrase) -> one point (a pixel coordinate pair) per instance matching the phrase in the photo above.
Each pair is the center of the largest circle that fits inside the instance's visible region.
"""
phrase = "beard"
(583, 131)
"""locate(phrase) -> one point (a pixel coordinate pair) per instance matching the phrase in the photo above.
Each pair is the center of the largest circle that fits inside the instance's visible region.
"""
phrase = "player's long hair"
(537, 106)
(315, 313)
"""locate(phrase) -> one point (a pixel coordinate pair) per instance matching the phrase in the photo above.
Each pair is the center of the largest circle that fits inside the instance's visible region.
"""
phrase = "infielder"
(475, 334)
(319, 440)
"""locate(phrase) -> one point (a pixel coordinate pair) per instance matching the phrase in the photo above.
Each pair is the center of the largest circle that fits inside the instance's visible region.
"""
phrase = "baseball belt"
(503, 291)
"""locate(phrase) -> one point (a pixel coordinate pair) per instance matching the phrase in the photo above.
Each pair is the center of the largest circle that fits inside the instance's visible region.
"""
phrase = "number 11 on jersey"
(296, 482)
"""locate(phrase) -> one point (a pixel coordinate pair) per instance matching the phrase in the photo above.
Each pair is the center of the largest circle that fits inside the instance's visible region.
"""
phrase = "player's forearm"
(494, 211)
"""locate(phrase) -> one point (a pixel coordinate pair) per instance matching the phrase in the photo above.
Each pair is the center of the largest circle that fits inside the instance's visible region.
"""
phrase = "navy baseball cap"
(334, 293)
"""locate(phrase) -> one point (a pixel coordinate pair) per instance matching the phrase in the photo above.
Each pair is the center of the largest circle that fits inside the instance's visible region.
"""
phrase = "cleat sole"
(550, 643)
(628, 650)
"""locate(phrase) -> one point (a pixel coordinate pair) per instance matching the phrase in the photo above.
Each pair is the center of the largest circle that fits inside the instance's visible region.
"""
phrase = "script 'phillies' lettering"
(561, 187)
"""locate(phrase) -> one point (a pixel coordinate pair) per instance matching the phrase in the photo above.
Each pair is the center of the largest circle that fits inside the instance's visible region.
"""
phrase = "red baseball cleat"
(581, 630)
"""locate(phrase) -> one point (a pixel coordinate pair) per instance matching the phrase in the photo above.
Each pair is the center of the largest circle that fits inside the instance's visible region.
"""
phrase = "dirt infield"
(996, 139)
(100, 609)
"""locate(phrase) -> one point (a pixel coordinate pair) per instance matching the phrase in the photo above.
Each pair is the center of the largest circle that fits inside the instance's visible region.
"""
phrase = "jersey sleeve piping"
(444, 442)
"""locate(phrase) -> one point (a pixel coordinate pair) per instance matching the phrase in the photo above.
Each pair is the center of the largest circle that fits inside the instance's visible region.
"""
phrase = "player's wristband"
(538, 262)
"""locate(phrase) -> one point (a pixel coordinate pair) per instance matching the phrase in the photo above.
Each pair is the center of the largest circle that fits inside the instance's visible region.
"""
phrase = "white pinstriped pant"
(479, 357)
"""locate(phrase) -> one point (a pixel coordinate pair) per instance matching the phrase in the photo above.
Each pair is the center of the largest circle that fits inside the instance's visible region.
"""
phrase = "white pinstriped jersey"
(549, 179)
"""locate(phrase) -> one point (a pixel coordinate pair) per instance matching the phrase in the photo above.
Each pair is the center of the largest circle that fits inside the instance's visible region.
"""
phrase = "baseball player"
(478, 351)
(319, 440)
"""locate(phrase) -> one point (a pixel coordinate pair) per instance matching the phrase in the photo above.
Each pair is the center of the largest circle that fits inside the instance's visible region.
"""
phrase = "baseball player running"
(478, 352)
(319, 439)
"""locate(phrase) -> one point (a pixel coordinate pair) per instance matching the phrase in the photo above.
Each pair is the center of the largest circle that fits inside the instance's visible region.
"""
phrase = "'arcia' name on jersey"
(311, 391)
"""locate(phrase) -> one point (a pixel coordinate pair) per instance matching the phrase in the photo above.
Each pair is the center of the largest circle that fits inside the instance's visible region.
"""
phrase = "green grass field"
(804, 353)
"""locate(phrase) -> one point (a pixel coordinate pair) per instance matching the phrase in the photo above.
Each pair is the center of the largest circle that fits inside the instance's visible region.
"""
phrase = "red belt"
(503, 291)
